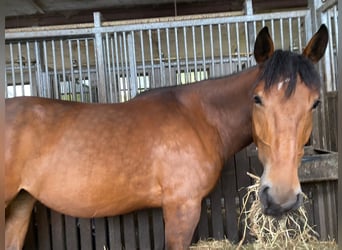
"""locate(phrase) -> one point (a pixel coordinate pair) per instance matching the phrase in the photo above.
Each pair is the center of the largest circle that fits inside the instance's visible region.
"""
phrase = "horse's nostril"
(298, 202)
(264, 196)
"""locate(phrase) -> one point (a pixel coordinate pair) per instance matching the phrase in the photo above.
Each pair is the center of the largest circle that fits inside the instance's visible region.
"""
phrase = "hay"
(289, 232)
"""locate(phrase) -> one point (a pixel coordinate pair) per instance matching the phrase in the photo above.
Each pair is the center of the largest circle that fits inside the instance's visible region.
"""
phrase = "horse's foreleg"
(180, 223)
(18, 214)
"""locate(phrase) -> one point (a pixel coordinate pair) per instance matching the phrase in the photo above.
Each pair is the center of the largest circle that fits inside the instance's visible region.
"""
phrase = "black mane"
(286, 65)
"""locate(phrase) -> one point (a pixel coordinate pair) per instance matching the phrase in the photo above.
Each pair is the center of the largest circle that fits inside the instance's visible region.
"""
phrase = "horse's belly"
(96, 194)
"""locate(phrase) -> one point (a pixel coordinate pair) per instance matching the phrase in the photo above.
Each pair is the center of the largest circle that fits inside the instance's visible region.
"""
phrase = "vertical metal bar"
(195, 52)
(21, 69)
(151, 56)
(56, 94)
(71, 84)
(88, 72)
(290, 34)
(161, 64)
(6, 84)
(109, 68)
(143, 58)
(238, 44)
(335, 14)
(299, 35)
(13, 70)
(100, 58)
(80, 77)
(203, 49)
(132, 64)
(38, 68)
(229, 49)
(117, 58)
(177, 58)
(220, 48)
(330, 74)
(47, 78)
(168, 55)
(247, 44)
(63, 69)
(127, 73)
(187, 79)
(272, 29)
(212, 50)
(281, 28)
(114, 66)
(29, 66)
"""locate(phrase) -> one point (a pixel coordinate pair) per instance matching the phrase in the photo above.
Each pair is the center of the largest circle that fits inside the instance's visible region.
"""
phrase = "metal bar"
(195, 52)
(151, 56)
(47, 80)
(168, 55)
(21, 69)
(290, 34)
(247, 44)
(109, 68)
(229, 49)
(127, 71)
(177, 58)
(117, 58)
(281, 28)
(29, 66)
(187, 75)
(238, 45)
(299, 35)
(80, 77)
(13, 72)
(112, 72)
(63, 65)
(212, 49)
(100, 59)
(170, 23)
(161, 64)
(71, 84)
(220, 49)
(132, 65)
(88, 72)
(143, 57)
(56, 94)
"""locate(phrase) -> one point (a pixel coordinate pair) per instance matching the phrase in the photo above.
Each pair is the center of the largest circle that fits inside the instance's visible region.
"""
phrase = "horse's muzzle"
(270, 207)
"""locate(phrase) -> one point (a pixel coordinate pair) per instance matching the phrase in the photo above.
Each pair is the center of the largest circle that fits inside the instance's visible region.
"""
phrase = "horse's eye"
(257, 100)
(316, 103)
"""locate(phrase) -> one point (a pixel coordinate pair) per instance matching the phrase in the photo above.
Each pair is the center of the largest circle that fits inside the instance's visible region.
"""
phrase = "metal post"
(251, 31)
(100, 59)
(132, 65)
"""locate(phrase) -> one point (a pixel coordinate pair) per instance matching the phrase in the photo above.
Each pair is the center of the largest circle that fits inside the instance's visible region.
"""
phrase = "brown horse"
(164, 148)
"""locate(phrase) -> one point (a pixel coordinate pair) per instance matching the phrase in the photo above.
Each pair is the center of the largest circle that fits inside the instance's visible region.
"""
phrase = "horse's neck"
(228, 105)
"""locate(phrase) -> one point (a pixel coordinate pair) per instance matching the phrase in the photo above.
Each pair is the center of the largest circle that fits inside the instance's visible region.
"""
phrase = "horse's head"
(284, 98)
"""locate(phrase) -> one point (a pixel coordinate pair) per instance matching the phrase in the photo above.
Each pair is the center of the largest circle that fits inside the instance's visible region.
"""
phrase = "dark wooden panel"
(43, 228)
(144, 235)
(158, 228)
(230, 193)
(129, 231)
(71, 237)
(86, 234)
(57, 231)
(216, 212)
(203, 224)
(114, 232)
(100, 233)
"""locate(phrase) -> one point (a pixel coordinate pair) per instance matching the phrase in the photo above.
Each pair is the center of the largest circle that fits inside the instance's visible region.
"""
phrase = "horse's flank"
(114, 158)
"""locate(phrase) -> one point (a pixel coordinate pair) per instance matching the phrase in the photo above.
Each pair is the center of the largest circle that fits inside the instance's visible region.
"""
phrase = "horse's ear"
(315, 49)
(263, 47)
